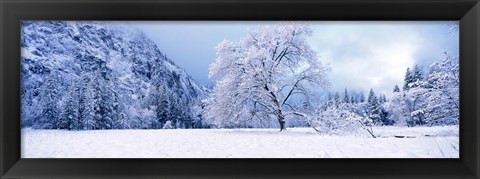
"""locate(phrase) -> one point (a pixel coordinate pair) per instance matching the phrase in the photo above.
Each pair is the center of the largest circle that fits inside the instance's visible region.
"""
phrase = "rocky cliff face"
(94, 75)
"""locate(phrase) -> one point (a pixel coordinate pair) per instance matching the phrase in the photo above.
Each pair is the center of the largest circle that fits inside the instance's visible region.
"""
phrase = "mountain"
(98, 75)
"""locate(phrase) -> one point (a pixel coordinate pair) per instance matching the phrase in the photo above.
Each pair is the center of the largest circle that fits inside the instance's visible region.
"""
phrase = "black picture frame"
(13, 11)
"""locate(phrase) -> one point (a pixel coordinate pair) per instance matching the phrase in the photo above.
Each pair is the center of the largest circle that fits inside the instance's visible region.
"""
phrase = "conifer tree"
(70, 118)
(417, 76)
(346, 98)
(396, 89)
(374, 107)
(163, 105)
(50, 97)
(361, 97)
(85, 110)
(336, 99)
(407, 80)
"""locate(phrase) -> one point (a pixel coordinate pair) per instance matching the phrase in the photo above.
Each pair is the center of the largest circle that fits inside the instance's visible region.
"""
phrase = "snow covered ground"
(418, 142)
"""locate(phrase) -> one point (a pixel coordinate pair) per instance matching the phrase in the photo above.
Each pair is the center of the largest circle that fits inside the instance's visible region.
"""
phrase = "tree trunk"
(281, 120)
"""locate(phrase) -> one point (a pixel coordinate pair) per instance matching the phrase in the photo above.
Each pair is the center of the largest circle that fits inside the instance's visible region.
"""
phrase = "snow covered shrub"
(338, 120)
(147, 118)
(168, 125)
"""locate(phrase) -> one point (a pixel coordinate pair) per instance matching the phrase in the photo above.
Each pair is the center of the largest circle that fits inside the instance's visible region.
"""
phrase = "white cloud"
(366, 55)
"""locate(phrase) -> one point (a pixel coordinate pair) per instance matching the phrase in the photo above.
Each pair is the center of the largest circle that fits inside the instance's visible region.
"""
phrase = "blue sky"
(362, 55)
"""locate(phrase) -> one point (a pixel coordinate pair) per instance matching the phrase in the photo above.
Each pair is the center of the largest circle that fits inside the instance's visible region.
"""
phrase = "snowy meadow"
(259, 90)
(420, 142)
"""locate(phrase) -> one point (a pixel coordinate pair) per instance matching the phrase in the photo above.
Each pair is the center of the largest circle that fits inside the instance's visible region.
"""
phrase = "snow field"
(442, 142)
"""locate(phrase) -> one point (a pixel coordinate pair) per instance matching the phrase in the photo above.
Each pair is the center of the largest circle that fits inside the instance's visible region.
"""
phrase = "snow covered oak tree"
(258, 76)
